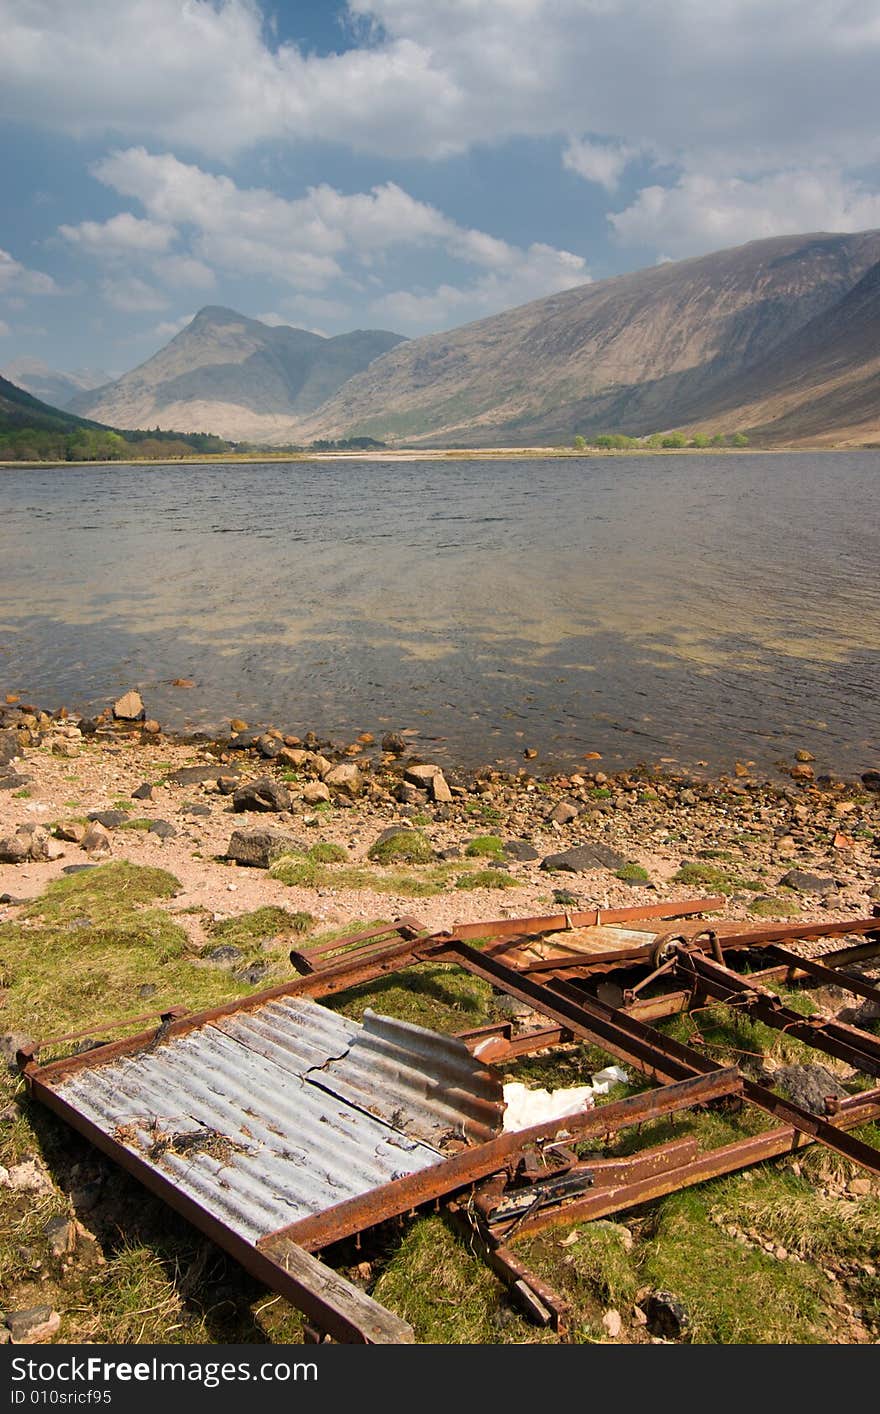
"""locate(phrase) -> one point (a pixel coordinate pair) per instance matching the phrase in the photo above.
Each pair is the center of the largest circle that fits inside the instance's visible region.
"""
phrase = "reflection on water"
(641, 606)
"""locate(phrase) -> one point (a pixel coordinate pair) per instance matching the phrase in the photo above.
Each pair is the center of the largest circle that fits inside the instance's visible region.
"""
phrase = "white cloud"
(184, 272)
(702, 213)
(601, 162)
(762, 85)
(4, 329)
(123, 235)
(132, 295)
(329, 238)
(16, 280)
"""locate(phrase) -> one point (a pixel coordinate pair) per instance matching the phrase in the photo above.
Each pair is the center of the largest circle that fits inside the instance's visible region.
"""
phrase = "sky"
(404, 164)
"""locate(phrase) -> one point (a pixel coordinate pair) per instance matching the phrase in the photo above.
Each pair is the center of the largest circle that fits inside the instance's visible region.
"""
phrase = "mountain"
(235, 376)
(19, 408)
(656, 349)
(50, 385)
(822, 384)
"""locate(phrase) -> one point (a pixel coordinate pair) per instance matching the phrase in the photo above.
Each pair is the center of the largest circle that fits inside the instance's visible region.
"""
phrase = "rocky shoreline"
(221, 810)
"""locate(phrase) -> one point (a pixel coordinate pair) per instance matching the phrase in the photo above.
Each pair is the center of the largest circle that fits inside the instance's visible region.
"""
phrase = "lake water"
(647, 607)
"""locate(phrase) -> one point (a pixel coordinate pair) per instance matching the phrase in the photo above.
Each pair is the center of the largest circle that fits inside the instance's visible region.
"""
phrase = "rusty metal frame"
(490, 1172)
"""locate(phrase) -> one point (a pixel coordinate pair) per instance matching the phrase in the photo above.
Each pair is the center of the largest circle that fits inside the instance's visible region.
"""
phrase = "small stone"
(801, 772)
(806, 883)
(33, 1326)
(564, 812)
(147, 990)
(439, 789)
(263, 795)
(521, 851)
(393, 743)
(345, 778)
(151, 727)
(421, 775)
(182, 682)
(781, 1254)
(804, 756)
(110, 819)
(258, 848)
(667, 1317)
(67, 749)
(269, 746)
(71, 830)
(60, 1235)
(96, 840)
(27, 1177)
(237, 725)
(11, 1042)
(15, 849)
(315, 793)
(613, 1323)
(224, 953)
(859, 1187)
(584, 857)
(163, 828)
(529, 753)
(129, 708)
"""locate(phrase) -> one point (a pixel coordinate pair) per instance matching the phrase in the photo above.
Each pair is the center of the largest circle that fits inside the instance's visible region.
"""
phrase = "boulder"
(808, 1085)
(521, 850)
(315, 793)
(96, 840)
(263, 794)
(33, 1326)
(259, 848)
(345, 778)
(807, 883)
(421, 775)
(129, 708)
(163, 828)
(583, 857)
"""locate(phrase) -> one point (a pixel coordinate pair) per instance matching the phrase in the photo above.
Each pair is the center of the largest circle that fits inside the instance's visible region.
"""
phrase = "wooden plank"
(330, 1302)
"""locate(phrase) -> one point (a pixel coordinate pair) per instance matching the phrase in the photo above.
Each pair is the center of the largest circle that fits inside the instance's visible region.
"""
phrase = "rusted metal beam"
(817, 969)
(463, 1170)
(602, 1201)
(848, 1043)
(554, 922)
(841, 957)
(535, 1297)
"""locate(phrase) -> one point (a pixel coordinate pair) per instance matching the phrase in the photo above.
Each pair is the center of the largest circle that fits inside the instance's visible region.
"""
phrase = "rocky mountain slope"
(19, 408)
(660, 348)
(235, 376)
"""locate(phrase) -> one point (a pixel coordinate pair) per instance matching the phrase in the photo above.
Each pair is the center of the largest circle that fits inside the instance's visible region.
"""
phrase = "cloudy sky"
(404, 164)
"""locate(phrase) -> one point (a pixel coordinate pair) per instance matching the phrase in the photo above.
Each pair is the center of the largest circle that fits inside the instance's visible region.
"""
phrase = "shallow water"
(647, 607)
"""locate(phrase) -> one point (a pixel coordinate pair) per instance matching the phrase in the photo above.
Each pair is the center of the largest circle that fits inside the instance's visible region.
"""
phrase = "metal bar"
(496, 1049)
(555, 922)
(601, 1202)
(329, 1304)
(816, 967)
(404, 1194)
(540, 1302)
(848, 1043)
(861, 952)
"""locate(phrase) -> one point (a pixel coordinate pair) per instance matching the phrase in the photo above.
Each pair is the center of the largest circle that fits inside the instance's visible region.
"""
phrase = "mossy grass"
(486, 879)
(776, 906)
(261, 925)
(485, 847)
(403, 847)
(440, 996)
(82, 951)
(632, 873)
(326, 852)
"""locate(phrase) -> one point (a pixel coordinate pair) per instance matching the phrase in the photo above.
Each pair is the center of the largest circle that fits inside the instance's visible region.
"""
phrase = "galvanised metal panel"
(238, 1115)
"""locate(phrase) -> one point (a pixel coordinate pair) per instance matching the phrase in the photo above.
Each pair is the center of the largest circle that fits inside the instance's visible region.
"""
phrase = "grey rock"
(871, 780)
(9, 746)
(143, 792)
(201, 810)
(76, 868)
(808, 1085)
(269, 747)
(163, 828)
(253, 973)
(258, 848)
(345, 779)
(15, 849)
(224, 953)
(667, 1316)
(147, 990)
(13, 781)
(393, 743)
(410, 795)
(110, 819)
(521, 850)
(193, 775)
(36, 1324)
(807, 883)
(96, 840)
(564, 812)
(583, 857)
(11, 1042)
(60, 1235)
(263, 795)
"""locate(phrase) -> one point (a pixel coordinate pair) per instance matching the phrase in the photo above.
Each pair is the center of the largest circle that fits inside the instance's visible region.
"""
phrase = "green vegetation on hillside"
(667, 441)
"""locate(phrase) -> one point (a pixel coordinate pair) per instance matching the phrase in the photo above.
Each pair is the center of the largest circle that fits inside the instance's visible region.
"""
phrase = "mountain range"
(49, 385)
(779, 338)
(235, 376)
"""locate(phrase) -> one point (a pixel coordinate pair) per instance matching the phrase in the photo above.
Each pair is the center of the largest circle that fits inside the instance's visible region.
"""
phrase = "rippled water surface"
(691, 607)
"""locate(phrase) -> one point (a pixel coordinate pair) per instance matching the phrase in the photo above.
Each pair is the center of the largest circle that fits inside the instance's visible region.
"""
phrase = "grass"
(714, 877)
(436, 995)
(786, 1209)
(403, 847)
(83, 950)
(486, 879)
(774, 907)
(260, 926)
(485, 847)
(632, 873)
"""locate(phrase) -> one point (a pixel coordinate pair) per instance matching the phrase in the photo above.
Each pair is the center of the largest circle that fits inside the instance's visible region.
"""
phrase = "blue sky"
(404, 164)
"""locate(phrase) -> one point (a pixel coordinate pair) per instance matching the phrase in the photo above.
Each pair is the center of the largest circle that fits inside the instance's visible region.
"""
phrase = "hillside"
(236, 377)
(822, 384)
(51, 385)
(658, 348)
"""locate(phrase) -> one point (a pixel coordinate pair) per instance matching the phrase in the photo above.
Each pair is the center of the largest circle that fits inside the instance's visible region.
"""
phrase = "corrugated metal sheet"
(427, 1085)
(240, 1114)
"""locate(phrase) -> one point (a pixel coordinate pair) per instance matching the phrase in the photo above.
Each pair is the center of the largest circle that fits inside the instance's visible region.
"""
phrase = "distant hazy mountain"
(49, 384)
(18, 408)
(235, 376)
(661, 348)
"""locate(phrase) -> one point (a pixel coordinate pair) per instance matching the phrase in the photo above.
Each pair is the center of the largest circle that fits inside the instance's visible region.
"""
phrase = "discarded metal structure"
(279, 1127)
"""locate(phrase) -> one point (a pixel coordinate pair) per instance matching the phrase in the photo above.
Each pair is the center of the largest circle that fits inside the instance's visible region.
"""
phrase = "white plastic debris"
(526, 1107)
